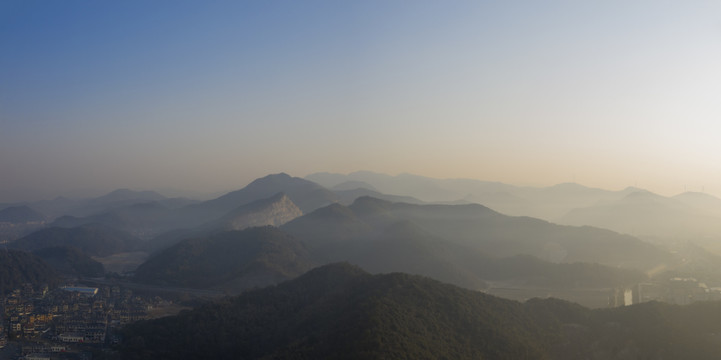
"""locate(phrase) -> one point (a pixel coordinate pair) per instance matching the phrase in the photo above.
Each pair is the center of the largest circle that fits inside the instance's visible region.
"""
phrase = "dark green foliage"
(92, 239)
(232, 260)
(338, 311)
(70, 261)
(18, 268)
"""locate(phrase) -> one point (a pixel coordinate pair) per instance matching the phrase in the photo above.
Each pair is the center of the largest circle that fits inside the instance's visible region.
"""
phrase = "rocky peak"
(276, 210)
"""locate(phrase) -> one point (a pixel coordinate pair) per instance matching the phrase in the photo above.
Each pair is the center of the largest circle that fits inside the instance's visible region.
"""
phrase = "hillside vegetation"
(339, 311)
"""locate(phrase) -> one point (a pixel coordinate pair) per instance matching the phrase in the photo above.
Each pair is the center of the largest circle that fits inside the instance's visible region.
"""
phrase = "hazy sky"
(208, 95)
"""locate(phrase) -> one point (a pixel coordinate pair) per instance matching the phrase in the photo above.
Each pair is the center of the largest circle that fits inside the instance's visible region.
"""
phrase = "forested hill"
(339, 311)
(231, 260)
(70, 261)
(18, 268)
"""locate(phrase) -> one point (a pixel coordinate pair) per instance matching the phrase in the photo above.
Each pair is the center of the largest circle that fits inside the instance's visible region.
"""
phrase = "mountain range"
(91, 239)
(458, 241)
(18, 221)
(547, 203)
(427, 256)
(430, 240)
(20, 214)
(642, 213)
(690, 216)
(476, 227)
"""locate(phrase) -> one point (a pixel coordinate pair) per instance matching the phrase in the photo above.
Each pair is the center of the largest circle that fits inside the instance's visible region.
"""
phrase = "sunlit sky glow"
(208, 95)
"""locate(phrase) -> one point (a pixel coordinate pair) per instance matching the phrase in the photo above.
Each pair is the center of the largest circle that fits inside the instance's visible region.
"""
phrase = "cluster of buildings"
(676, 290)
(69, 319)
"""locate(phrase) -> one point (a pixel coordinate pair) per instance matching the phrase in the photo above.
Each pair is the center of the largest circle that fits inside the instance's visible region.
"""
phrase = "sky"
(209, 95)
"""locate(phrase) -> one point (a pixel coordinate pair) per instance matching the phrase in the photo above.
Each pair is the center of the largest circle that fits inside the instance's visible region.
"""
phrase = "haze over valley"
(279, 227)
(362, 180)
(297, 224)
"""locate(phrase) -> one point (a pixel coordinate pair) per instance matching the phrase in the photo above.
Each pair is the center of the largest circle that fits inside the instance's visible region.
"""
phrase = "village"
(69, 322)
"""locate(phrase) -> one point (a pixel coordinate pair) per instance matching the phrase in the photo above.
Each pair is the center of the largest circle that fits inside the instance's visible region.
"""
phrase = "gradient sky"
(208, 95)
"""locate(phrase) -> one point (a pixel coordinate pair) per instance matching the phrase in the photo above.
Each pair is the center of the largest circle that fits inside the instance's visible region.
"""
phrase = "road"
(155, 288)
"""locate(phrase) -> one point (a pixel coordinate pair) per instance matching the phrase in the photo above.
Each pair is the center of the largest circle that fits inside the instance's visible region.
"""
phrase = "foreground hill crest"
(340, 311)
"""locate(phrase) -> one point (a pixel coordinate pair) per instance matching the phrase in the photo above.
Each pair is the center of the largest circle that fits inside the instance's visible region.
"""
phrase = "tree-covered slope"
(18, 268)
(232, 260)
(70, 261)
(339, 311)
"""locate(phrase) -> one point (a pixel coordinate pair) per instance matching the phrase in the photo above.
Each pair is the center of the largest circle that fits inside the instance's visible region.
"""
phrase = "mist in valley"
(318, 180)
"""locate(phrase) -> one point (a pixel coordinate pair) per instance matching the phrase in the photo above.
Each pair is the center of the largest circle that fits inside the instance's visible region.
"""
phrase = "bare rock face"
(275, 211)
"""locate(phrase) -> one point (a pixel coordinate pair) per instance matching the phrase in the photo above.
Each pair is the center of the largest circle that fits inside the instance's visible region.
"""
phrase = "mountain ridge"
(341, 311)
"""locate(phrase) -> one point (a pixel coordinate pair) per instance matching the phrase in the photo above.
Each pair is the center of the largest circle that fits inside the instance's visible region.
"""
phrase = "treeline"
(18, 268)
(339, 311)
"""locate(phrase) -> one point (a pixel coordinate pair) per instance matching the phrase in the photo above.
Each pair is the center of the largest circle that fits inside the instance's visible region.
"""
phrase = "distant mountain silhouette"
(459, 243)
(703, 202)
(232, 261)
(353, 185)
(120, 198)
(419, 187)
(151, 218)
(547, 203)
(92, 239)
(307, 195)
(339, 311)
(481, 228)
(18, 221)
(127, 195)
(115, 199)
(347, 197)
(20, 215)
(643, 213)
(140, 219)
(53, 208)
